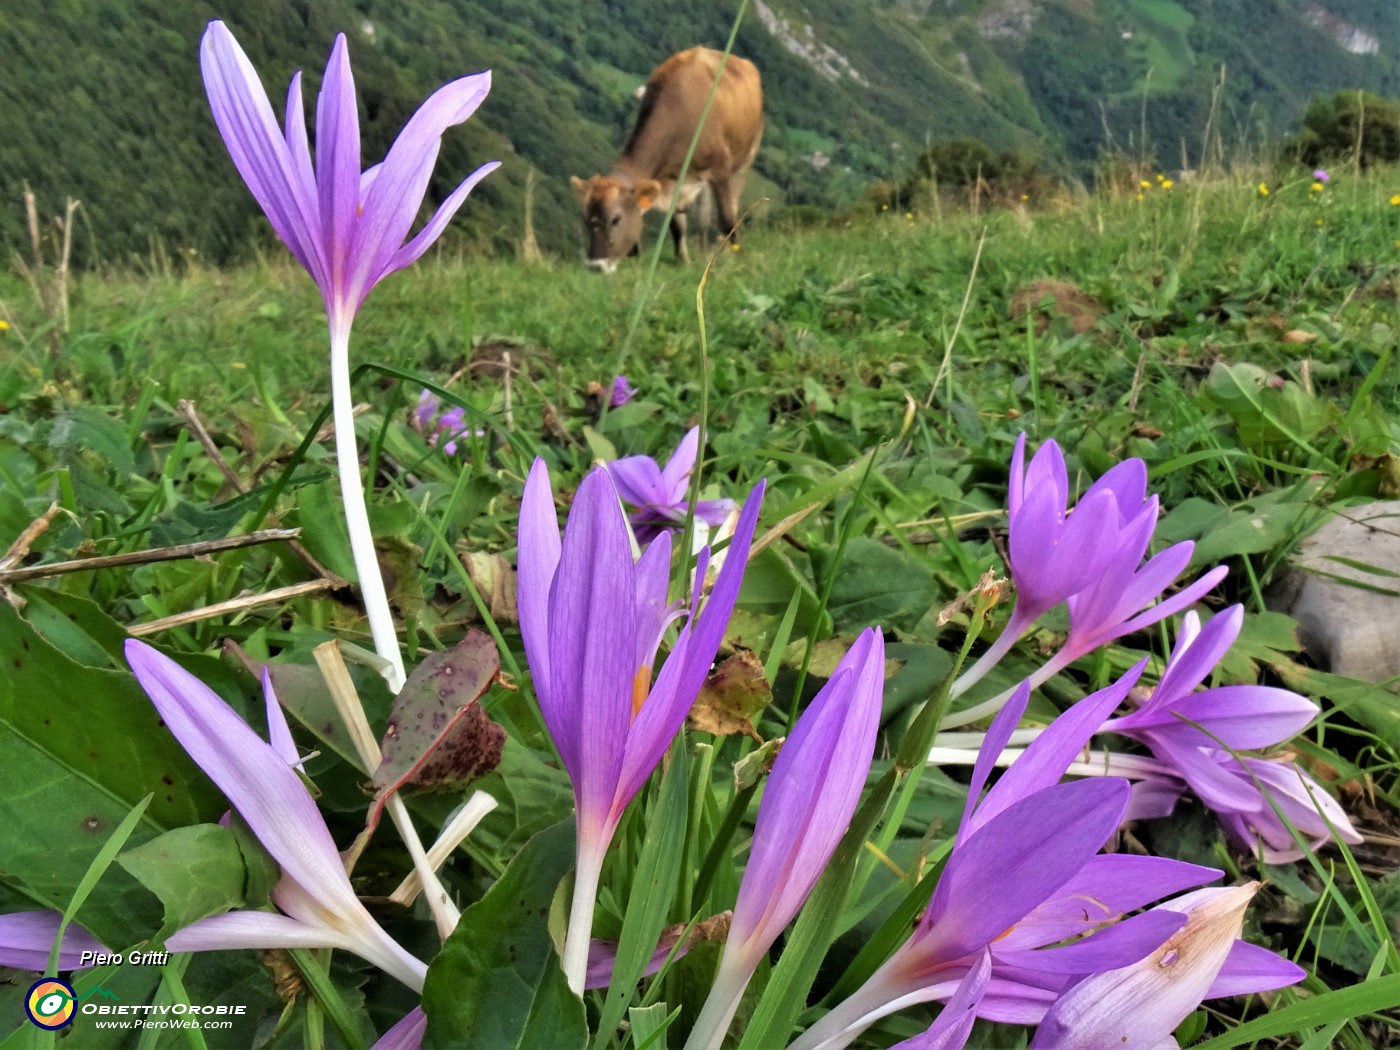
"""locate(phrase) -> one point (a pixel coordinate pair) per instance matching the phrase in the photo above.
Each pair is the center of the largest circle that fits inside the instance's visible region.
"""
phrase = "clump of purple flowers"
(441, 428)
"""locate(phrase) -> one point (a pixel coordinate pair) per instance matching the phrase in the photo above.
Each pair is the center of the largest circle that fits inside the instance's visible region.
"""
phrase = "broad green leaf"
(82, 745)
(876, 584)
(196, 871)
(497, 983)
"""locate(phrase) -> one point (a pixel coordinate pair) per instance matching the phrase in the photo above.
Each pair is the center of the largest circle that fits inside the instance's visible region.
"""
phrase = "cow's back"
(675, 98)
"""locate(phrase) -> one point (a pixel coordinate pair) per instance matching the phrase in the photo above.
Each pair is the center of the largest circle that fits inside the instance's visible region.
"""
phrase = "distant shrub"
(969, 165)
(1350, 124)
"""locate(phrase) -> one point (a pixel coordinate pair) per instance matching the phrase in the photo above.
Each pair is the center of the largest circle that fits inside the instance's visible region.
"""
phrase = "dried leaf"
(438, 732)
(734, 693)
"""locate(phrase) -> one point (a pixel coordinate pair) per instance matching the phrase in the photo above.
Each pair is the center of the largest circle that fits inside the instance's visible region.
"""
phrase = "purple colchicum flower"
(622, 392)
(1137, 1007)
(407, 1034)
(592, 622)
(318, 906)
(661, 494)
(808, 801)
(1023, 875)
(1188, 733)
(1092, 560)
(442, 429)
(346, 227)
(27, 937)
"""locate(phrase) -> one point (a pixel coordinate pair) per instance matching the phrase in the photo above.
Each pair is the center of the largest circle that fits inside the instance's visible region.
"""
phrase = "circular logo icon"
(50, 1003)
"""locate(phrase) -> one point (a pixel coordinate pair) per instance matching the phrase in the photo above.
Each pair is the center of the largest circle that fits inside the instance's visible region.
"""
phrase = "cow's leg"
(727, 200)
(678, 225)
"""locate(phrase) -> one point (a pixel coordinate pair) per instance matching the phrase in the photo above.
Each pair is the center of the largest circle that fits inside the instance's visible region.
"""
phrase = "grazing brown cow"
(644, 177)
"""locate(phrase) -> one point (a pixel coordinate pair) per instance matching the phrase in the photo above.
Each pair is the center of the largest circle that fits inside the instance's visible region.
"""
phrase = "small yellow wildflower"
(909, 215)
(884, 207)
(1167, 184)
(1161, 177)
(1144, 184)
(1319, 222)
(4, 326)
(735, 246)
(1138, 197)
(1317, 187)
(1395, 201)
(1025, 196)
(1263, 189)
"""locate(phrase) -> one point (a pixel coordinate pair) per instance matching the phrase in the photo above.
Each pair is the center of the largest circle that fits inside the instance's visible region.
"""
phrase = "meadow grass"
(1241, 343)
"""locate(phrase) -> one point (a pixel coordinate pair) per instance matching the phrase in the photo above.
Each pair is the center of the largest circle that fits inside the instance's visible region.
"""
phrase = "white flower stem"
(988, 708)
(587, 871)
(725, 994)
(381, 618)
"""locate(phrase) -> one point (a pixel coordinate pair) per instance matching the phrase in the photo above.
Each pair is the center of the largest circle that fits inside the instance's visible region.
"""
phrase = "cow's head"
(612, 216)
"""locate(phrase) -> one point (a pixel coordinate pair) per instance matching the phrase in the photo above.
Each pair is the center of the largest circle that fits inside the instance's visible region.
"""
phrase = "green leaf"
(497, 982)
(196, 872)
(653, 888)
(1373, 996)
(880, 584)
(82, 746)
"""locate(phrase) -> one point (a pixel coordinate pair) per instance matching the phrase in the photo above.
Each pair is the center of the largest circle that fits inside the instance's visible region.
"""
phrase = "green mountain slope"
(101, 99)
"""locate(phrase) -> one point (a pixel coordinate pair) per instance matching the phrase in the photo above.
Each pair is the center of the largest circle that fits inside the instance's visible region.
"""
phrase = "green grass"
(823, 344)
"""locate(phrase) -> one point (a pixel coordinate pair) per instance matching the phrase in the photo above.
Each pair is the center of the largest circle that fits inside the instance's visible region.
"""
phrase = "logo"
(49, 1004)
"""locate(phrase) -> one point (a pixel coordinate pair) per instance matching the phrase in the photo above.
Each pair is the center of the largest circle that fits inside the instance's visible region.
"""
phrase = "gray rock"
(1349, 629)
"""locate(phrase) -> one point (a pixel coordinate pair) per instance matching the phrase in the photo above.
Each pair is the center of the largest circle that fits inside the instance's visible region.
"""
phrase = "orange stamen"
(641, 686)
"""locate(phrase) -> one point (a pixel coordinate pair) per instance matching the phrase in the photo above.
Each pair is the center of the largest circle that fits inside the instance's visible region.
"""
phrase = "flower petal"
(953, 1025)
(338, 158)
(638, 480)
(689, 662)
(262, 787)
(675, 476)
(26, 939)
(592, 641)
(810, 795)
(536, 562)
(1044, 762)
(407, 1034)
(1015, 861)
(1139, 1006)
(1249, 969)
(255, 143)
(391, 204)
(425, 238)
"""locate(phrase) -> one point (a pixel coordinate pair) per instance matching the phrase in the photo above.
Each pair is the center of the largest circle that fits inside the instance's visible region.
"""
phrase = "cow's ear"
(648, 193)
(580, 187)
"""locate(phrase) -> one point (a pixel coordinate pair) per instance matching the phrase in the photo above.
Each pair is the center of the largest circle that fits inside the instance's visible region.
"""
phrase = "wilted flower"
(808, 801)
(318, 906)
(1188, 732)
(1138, 1006)
(661, 494)
(592, 622)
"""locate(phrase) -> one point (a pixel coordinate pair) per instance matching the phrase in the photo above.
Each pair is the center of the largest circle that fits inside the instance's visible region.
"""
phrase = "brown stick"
(233, 605)
(175, 553)
(25, 539)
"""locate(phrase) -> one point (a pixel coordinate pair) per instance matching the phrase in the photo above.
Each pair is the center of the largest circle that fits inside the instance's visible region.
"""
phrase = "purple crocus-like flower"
(622, 392)
(661, 494)
(27, 937)
(1139, 1006)
(442, 429)
(808, 801)
(1023, 876)
(1188, 732)
(346, 227)
(592, 621)
(318, 906)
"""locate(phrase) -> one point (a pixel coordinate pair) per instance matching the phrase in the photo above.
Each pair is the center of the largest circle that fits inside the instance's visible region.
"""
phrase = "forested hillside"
(102, 99)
